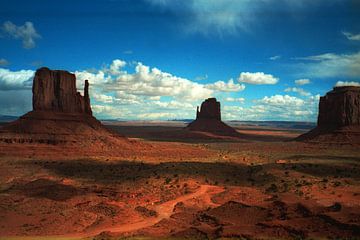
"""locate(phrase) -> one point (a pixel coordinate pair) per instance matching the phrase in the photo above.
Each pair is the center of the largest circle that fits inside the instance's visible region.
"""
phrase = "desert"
(128, 180)
(172, 120)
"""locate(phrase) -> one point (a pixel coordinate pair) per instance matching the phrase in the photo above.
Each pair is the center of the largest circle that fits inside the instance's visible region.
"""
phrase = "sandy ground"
(172, 184)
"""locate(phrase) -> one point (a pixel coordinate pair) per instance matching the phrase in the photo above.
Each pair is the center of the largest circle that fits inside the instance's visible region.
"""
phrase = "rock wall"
(210, 109)
(55, 90)
(340, 107)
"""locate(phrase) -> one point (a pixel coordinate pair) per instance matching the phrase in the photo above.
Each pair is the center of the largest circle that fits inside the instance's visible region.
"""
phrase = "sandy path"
(164, 210)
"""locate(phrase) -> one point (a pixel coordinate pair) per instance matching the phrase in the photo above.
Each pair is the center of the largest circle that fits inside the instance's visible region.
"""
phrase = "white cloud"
(154, 82)
(103, 98)
(116, 65)
(222, 86)
(330, 65)
(343, 84)
(257, 78)
(10, 80)
(27, 33)
(353, 37)
(302, 81)
(4, 62)
(282, 100)
(300, 91)
(230, 99)
(273, 58)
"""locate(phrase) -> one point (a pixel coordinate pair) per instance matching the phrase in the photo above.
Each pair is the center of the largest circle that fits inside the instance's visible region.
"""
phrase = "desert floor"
(174, 185)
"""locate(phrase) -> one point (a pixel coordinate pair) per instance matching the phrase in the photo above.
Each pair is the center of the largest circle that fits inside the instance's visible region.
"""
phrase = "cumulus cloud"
(330, 65)
(282, 100)
(350, 36)
(302, 81)
(276, 107)
(26, 33)
(3, 62)
(148, 81)
(343, 84)
(300, 91)
(257, 78)
(116, 65)
(11, 80)
(222, 86)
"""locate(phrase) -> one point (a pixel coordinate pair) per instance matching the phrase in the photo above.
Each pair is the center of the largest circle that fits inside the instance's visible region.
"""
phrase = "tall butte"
(338, 119)
(208, 119)
(60, 114)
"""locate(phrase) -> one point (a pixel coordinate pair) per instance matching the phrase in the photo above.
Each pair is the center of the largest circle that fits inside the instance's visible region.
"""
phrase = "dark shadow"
(179, 134)
(323, 169)
(45, 188)
(127, 171)
(325, 157)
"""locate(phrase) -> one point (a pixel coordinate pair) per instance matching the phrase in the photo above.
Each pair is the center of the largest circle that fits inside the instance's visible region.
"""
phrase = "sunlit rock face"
(338, 119)
(340, 107)
(55, 90)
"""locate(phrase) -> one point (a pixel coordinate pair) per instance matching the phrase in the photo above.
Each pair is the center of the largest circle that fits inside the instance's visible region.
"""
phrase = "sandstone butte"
(208, 119)
(338, 119)
(60, 114)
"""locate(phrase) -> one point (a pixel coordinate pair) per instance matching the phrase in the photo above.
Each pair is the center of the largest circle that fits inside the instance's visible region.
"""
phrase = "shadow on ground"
(179, 134)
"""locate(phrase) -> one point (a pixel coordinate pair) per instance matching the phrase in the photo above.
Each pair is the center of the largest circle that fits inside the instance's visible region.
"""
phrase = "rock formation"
(60, 113)
(339, 117)
(55, 90)
(210, 109)
(208, 119)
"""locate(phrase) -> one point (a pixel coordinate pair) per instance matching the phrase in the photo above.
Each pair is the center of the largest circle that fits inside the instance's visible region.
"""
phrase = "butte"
(338, 119)
(208, 119)
(60, 115)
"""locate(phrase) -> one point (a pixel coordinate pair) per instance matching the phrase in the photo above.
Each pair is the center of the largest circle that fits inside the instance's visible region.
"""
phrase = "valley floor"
(176, 185)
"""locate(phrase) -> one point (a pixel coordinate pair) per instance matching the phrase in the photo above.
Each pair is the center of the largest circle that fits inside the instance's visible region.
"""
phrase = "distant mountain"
(277, 124)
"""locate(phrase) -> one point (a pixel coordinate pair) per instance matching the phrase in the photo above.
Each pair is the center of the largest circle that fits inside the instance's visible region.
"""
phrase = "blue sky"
(158, 59)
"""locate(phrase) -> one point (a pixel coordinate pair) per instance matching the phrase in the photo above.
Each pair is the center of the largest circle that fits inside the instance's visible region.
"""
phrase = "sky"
(159, 59)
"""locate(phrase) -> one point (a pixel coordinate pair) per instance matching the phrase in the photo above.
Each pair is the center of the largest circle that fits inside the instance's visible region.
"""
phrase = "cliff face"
(60, 114)
(338, 119)
(208, 119)
(210, 109)
(55, 90)
(340, 107)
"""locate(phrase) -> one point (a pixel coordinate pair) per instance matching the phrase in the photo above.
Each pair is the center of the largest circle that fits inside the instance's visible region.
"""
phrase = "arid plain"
(167, 182)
